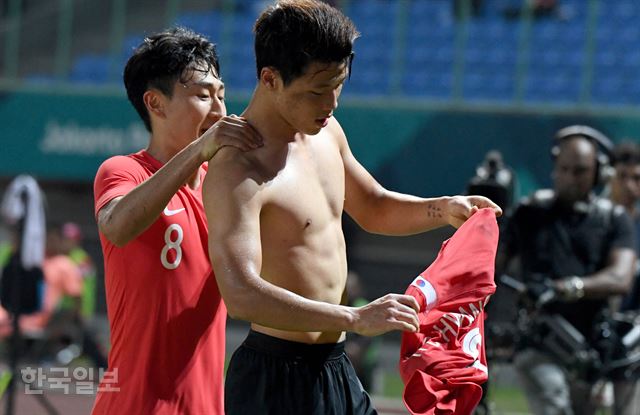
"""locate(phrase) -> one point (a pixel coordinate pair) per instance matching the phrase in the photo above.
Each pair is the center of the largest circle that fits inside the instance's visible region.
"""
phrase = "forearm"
(138, 209)
(392, 213)
(606, 282)
(602, 284)
(614, 279)
(272, 306)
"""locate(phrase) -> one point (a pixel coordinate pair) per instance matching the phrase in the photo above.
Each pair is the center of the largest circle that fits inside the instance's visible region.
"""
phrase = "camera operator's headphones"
(603, 145)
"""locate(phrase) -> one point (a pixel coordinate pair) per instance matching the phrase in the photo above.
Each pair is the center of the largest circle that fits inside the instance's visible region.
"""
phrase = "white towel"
(14, 209)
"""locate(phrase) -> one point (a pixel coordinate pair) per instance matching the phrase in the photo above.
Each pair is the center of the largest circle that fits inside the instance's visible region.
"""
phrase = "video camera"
(610, 353)
(494, 180)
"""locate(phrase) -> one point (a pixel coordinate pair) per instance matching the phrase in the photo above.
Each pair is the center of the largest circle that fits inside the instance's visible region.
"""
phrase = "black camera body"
(610, 352)
(494, 180)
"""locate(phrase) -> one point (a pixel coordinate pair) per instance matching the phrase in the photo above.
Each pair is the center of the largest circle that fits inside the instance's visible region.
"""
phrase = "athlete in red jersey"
(166, 316)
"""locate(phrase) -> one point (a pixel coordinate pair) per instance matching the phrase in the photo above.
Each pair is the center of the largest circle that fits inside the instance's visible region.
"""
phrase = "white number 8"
(175, 245)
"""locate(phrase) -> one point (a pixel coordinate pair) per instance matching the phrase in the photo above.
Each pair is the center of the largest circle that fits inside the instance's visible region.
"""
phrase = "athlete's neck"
(268, 122)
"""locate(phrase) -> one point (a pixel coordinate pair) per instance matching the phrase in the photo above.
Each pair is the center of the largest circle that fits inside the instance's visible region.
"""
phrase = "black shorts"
(268, 375)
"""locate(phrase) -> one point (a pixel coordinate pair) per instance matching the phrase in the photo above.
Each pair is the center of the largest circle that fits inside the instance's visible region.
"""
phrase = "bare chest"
(308, 193)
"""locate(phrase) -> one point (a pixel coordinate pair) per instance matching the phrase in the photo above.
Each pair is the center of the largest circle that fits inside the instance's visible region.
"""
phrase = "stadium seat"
(555, 64)
(91, 68)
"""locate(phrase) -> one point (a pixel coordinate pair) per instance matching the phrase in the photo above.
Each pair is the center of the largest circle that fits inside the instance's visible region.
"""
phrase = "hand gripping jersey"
(444, 364)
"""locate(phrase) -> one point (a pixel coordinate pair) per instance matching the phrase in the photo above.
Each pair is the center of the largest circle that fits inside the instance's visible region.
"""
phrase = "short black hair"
(294, 33)
(626, 152)
(164, 58)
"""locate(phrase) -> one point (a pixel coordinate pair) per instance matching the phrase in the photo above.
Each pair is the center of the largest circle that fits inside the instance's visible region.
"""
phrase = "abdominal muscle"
(315, 269)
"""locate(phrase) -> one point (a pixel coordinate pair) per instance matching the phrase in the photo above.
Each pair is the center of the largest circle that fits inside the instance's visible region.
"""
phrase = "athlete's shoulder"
(335, 129)
(121, 163)
(234, 170)
(233, 161)
(334, 133)
(116, 176)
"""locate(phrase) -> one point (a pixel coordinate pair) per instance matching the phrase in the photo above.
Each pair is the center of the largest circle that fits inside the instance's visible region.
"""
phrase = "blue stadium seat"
(207, 23)
(369, 77)
(623, 10)
(419, 83)
(374, 17)
(239, 76)
(130, 43)
(556, 60)
(428, 9)
(608, 91)
(91, 68)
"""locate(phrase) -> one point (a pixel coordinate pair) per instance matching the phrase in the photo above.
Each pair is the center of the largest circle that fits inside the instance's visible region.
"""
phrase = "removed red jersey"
(444, 364)
(166, 316)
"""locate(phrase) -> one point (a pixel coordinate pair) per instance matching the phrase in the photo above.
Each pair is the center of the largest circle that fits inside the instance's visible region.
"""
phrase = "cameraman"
(584, 245)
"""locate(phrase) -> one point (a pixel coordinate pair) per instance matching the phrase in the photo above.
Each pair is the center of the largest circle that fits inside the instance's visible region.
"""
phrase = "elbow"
(625, 284)
(364, 205)
(368, 225)
(372, 218)
(239, 302)
(113, 235)
(237, 310)
(620, 283)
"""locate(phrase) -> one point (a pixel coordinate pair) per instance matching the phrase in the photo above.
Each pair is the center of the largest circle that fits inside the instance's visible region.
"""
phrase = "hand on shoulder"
(229, 131)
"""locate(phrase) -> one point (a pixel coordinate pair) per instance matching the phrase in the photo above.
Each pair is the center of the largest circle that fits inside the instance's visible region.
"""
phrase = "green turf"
(508, 399)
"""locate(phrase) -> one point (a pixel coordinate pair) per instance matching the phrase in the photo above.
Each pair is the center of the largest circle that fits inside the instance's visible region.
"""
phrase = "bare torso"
(303, 248)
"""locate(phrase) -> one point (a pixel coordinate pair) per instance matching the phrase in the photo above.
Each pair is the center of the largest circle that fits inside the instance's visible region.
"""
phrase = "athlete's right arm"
(125, 217)
(233, 201)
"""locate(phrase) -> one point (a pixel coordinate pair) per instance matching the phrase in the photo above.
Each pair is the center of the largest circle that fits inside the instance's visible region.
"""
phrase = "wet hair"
(163, 59)
(626, 152)
(292, 34)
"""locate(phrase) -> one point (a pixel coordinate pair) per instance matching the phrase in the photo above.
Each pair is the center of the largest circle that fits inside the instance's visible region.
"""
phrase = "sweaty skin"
(275, 231)
(302, 243)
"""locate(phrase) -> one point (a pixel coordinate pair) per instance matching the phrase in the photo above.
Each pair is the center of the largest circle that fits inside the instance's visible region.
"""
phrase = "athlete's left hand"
(461, 208)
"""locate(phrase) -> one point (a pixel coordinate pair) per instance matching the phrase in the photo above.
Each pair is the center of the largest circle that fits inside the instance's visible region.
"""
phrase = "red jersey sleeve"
(117, 176)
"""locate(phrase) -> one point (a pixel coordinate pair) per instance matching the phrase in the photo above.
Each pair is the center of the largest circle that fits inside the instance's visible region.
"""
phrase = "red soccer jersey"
(166, 315)
(444, 364)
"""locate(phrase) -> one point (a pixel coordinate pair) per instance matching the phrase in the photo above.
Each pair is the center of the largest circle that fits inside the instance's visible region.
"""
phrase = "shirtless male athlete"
(275, 235)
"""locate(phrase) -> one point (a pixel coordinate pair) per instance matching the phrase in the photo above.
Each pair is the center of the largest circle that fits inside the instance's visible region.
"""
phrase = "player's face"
(308, 102)
(625, 185)
(195, 106)
(575, 170)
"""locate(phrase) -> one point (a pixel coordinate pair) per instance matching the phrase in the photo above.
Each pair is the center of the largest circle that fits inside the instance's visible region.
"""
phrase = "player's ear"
(270, 78)
(154, 102)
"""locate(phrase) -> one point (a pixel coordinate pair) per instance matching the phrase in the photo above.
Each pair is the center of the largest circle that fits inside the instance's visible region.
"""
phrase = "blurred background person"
(62, 277)
(578, 249)
(625, 190)
(72, 237)
(58, 328)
